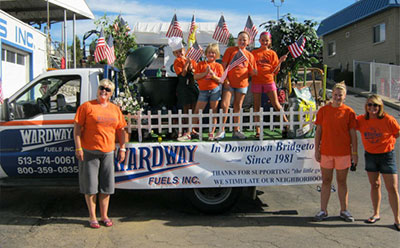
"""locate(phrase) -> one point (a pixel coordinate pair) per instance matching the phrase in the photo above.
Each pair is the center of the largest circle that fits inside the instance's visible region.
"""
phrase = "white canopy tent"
(150, 33)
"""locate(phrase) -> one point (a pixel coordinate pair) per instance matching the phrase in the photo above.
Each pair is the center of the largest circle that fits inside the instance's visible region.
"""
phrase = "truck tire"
(213, 200)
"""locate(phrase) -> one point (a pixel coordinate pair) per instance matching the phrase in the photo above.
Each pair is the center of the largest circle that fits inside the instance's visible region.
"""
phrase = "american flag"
(195, 52)
(296, 49)
(192, 32)
(174, 29)
(110, 52)
(100, 51)
(221, 32)
(251, 29)
(237, 60)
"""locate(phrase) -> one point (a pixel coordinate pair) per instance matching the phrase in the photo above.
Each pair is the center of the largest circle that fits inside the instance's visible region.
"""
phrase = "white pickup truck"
(37, 147)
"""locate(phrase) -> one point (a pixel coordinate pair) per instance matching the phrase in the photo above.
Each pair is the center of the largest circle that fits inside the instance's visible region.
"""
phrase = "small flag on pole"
(195, 52)
(251, 29)
(237, 60)
(221, 32)
(192, 32)
(174, 29)
(110, 52)
(100, 51)
(296, 49)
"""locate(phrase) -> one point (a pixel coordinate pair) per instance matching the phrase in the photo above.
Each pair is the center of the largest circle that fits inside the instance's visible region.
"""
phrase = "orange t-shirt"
(239, 76)
(266, 61)
(99, 125)
(336, 123)
(179, 63)
(378, 134)
(206, 83)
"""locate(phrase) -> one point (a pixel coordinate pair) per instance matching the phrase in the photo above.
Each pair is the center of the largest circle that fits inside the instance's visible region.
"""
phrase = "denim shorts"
(384, 163)
(240, 90)
(210, 95)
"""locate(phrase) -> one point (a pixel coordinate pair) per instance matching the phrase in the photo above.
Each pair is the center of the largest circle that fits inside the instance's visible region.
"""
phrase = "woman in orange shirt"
(379, 132)
(96, 124)
(268, 65)
(335, 148)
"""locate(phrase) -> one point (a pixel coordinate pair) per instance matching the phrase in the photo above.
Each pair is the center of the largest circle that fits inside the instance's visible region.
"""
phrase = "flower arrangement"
(128, 103)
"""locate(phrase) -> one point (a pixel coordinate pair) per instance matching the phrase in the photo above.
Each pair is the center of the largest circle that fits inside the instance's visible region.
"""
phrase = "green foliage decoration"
(287, 31)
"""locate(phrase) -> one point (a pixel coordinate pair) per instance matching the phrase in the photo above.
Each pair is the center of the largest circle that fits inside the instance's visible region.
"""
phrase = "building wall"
(355, 42)
(22, 39)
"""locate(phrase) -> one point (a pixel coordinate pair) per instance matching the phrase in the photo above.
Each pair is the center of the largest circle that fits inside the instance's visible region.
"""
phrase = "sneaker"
(320, 216)
(185, 137)
(211, 137)
(346, 216)
(220, 135)
(238, 135)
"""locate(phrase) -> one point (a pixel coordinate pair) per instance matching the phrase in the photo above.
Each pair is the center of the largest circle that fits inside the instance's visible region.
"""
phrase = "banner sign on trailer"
(218, 164)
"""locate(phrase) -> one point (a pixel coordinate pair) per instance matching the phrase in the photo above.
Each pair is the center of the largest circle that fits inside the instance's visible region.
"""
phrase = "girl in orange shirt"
(237, 82)
(335, 148)
(268, 65)
(379, 132)
(208, 75)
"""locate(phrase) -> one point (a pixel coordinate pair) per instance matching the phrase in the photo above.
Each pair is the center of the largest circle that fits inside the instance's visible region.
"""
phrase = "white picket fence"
(169, 121)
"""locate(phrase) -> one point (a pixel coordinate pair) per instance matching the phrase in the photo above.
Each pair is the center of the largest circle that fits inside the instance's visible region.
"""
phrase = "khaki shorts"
(335, 162)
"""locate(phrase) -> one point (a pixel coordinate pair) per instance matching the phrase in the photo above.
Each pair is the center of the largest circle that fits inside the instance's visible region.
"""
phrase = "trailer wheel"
(213, 200)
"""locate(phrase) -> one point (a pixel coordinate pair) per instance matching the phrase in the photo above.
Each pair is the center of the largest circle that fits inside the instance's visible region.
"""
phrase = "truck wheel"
(213, 200)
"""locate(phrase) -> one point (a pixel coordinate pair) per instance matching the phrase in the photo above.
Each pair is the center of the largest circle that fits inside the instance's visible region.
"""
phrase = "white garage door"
(15, 69)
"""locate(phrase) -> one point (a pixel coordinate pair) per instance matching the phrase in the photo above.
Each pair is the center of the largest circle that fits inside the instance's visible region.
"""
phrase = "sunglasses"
(104, 88)
(373, 104)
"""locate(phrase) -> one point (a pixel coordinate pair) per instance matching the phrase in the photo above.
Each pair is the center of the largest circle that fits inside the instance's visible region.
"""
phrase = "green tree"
(287, 31)
(79, 52)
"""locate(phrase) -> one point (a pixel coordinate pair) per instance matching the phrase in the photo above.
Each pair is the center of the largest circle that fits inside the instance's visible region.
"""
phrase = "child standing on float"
(208, 75)
(268, 65)
(237, 82)
(186, 89)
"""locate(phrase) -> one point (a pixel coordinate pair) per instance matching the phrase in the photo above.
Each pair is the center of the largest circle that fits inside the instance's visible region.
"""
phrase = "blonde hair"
(107, 83)
(213, 47)
(377, 100)
(340, 86)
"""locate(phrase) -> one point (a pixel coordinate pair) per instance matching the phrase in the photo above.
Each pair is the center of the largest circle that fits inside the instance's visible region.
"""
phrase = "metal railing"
(382, 79)
(299, 121)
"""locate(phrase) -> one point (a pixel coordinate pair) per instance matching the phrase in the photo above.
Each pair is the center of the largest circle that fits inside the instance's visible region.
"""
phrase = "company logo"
(36, 138)
(147, 161)
(372, 135)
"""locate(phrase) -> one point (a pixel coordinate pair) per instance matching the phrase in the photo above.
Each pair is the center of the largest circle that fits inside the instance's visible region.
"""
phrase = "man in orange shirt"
(335, 148)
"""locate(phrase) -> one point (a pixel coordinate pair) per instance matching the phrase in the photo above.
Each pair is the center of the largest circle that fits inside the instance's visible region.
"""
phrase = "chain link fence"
(382, 79)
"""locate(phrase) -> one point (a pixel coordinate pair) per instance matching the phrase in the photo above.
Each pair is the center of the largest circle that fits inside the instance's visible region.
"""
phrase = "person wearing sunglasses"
(379, 132)
(335, 149)
(96, 124)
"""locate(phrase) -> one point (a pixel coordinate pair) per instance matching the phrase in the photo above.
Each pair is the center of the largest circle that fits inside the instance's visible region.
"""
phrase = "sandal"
(107, 222)
(372, 220)
(94, 224)
(257, 136)
(397, 227)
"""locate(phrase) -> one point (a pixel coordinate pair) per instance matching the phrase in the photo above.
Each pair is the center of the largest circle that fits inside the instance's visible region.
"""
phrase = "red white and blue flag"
(221, 32)
(100, 51)
(251, 29)
(238, 59)
(195, 52)
(110, 52)
(192, 27)
(296, 49)
(174, 29)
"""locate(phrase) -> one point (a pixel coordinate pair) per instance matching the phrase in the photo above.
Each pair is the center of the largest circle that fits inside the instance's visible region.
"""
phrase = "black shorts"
(384, 163)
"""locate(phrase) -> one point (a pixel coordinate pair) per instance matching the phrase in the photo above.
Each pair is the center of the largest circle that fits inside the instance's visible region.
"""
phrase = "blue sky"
(234, 11)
